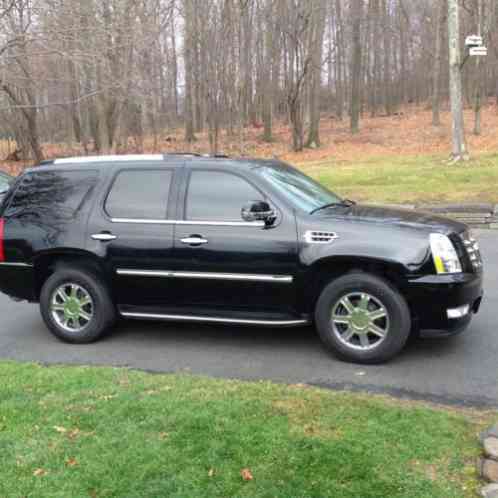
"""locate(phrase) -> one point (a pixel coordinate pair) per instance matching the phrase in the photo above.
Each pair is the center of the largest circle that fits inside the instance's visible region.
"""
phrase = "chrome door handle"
(194, 241)
(104, 237)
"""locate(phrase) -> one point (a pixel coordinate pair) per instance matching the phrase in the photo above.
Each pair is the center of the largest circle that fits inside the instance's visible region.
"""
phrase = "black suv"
(252, 242)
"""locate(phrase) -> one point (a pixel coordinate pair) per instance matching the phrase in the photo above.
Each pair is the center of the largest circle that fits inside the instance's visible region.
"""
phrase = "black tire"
(398, 328)
(103, 310)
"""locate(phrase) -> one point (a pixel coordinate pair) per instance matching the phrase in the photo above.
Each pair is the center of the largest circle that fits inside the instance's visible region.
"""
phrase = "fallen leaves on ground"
(40, 473)
(74, 433)
(71, 462)
(246, 474)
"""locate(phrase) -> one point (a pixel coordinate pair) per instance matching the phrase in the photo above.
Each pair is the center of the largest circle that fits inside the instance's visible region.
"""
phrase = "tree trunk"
(174, 65)
(436, 75)
(356, 13)
(479, 76)
(189, 107)
(316, 47)
(340, 60)
(267, 96)
(388, 104)
(459, 151)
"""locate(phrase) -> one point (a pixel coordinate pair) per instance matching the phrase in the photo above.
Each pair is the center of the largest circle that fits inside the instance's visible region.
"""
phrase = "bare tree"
(459, 144)
(316, 47)
(356, 14)
(436, 76)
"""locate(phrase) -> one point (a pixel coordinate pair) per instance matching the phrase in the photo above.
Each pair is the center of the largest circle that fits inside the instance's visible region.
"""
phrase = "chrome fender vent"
(315, 237)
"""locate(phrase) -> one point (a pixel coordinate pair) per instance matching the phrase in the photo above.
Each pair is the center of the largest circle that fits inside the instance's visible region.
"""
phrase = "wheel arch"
(324, 270)
(46, 263)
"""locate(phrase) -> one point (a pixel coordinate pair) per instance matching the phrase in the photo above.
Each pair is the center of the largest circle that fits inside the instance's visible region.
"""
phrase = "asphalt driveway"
(462, 370)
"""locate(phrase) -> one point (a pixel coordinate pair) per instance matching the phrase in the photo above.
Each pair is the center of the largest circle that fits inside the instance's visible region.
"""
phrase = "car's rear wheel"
(362, 318)
(76, 306)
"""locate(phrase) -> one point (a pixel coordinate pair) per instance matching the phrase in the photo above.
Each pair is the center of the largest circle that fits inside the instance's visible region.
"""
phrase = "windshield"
(301, 191)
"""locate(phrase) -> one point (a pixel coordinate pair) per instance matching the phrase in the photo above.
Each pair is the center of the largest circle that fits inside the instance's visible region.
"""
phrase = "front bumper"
(438, 302)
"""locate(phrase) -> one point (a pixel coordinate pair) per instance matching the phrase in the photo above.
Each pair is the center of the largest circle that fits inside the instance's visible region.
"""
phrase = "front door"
(224, 264)
(131, 230)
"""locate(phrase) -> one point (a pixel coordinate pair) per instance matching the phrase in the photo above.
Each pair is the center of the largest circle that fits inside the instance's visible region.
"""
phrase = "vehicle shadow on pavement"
(304, 340)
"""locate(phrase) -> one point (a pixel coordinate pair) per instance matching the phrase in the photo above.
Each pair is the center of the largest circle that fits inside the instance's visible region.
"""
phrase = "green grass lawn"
(102, 432)
(410, 179)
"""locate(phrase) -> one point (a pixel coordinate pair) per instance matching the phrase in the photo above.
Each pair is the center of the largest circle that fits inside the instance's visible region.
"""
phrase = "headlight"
(444, 254)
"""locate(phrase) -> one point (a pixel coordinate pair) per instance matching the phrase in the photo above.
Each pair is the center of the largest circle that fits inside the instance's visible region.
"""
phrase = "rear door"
(223, 263)
(133, 231)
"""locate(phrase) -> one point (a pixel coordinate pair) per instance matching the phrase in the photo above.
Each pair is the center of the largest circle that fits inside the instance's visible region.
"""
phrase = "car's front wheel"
(362, 318)
(76, 306)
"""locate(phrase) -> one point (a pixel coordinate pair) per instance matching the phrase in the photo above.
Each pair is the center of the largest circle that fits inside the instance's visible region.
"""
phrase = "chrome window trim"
(223, 223)
(212, 319)
(113, 158)
(143, 221)
(19, 265)
(280, 279)
(259, 224)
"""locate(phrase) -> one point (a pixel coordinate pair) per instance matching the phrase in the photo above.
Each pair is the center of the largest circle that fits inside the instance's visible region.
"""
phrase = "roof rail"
(195, 154)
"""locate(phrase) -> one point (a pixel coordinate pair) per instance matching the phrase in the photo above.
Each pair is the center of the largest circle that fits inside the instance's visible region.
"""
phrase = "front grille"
(472, 251)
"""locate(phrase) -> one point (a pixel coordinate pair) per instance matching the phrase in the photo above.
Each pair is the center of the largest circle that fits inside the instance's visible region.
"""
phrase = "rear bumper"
(443, 305)
(17, 280)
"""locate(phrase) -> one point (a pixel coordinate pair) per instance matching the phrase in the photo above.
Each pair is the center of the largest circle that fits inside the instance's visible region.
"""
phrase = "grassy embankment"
(102, 432)
(410, 179)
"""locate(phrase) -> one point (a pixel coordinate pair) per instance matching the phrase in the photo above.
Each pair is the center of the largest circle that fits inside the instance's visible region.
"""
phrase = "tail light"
(2, 253)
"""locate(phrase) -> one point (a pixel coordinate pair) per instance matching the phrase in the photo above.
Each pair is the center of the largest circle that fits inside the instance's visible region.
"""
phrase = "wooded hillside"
(107, 75)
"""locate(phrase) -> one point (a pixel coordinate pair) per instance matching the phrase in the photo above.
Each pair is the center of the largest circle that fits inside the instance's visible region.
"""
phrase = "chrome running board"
(212, 319)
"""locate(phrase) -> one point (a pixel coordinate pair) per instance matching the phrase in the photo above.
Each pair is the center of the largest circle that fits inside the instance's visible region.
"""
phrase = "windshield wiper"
(344, 203)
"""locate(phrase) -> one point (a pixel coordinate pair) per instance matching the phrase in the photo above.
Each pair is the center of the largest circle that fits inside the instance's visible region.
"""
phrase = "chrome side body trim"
(19, 265)
(103, 159)
(212, 319)
(281, 279)
(193, 223)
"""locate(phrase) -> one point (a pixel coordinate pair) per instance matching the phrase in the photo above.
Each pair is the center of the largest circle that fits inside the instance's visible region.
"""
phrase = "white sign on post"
(478, 52)
(473, 41)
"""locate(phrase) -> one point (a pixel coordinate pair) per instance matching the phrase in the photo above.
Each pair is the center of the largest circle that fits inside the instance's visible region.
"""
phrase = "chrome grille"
(472, 250)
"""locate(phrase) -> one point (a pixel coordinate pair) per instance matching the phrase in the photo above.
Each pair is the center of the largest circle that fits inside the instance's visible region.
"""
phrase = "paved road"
(462, 370)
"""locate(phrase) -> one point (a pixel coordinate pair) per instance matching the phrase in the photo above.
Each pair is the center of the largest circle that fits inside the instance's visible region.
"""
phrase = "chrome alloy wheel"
(72, 307)
(360, 321)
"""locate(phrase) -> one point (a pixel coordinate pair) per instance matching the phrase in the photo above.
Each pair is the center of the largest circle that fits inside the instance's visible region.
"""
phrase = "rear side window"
(218, 196)
(52, 196)
(139, 194)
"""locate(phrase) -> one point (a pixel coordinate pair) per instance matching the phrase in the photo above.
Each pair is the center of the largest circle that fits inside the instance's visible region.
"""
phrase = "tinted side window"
(218, 196)
(139, 194)
(5, 182)
(52, 196)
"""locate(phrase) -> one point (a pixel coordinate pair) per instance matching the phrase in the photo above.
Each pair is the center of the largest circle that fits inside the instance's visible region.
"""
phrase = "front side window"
(139, 194)
(5, 182)
(300, 190)
(218, 196)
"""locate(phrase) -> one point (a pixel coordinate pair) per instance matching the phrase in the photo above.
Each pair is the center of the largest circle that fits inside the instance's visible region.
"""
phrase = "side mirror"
(258, 211)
